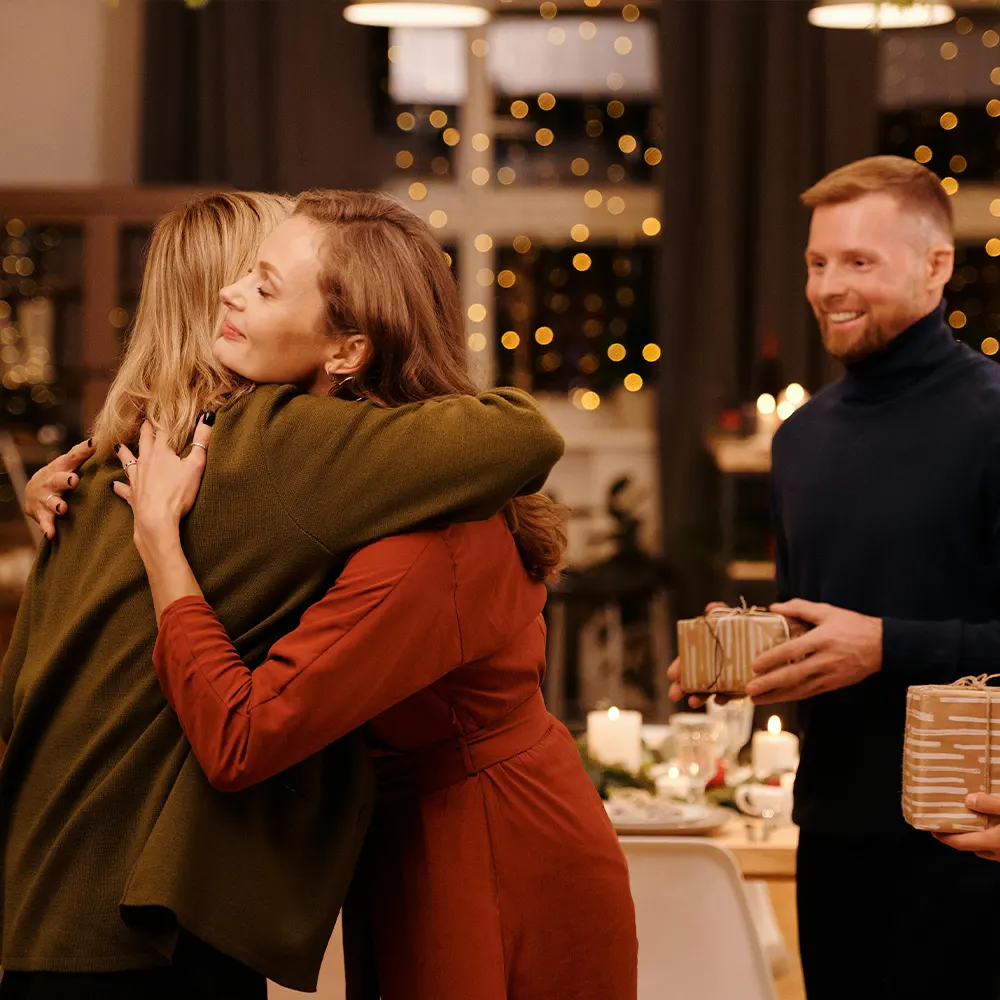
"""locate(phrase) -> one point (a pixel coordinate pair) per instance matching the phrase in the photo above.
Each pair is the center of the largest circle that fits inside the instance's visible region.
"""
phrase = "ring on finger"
(198, 444)
(131, 461)
(49, 497)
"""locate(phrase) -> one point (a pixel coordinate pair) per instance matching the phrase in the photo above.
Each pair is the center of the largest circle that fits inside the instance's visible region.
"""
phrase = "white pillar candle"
(774, 751)
(614, 737)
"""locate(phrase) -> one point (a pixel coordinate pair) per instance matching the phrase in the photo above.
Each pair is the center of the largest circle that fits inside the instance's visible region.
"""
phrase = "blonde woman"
(124, 873)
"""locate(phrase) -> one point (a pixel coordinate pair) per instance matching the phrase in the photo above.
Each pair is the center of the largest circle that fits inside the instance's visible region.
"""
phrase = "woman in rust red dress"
(490, 870)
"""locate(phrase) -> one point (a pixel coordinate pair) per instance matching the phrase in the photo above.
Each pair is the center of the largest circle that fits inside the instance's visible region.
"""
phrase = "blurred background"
(616, 186)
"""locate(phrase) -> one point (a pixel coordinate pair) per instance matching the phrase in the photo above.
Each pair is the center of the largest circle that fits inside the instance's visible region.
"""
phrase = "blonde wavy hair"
(168, 373)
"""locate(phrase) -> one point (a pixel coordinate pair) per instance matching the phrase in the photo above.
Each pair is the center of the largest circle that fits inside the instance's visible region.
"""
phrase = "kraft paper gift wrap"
(717, 649)
(951, 748)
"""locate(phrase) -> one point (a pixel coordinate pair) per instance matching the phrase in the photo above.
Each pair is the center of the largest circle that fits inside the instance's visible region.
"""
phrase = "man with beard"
(886, 503)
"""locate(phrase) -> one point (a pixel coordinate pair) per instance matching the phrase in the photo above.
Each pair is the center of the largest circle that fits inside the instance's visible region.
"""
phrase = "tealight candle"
(614, 737)
(774, 751)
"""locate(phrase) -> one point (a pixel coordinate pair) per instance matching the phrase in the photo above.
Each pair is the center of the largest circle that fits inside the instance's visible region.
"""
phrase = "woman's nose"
(231, 296)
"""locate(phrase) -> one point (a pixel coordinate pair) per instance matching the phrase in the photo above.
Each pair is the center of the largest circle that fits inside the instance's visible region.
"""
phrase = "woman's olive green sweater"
(110, 836)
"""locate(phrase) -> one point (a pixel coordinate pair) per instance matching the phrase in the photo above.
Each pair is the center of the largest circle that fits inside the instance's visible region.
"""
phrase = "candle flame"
(774, 724)
(674, 772)
(613, 713)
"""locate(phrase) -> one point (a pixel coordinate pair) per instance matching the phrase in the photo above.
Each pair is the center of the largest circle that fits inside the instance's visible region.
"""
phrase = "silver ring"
(131, 461)
(49, 497)
(198, 444)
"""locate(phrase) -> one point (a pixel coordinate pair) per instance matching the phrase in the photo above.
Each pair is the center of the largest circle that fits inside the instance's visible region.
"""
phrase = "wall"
(69, 115)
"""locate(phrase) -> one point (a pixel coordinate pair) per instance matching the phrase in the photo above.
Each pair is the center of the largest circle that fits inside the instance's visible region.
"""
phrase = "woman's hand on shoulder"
(162, 486)
(44, 498)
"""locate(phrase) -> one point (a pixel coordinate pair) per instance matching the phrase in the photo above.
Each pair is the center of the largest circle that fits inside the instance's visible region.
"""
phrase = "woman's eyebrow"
(269, 271)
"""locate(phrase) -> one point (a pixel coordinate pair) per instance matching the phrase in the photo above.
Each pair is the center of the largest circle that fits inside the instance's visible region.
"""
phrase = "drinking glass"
(735, 719)
(696, 744)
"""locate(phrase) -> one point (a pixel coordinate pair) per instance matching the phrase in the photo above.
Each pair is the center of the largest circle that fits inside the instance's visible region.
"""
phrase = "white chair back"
(696, 936)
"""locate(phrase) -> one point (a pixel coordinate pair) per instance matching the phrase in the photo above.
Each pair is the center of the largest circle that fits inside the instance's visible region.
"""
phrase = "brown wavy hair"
(384, 276)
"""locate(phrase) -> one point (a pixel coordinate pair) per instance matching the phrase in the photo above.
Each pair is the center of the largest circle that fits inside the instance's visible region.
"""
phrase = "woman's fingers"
(124, 491)
(202, 436)
(129, 462)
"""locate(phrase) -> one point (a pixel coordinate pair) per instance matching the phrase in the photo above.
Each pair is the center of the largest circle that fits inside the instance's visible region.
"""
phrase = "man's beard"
(874, 339)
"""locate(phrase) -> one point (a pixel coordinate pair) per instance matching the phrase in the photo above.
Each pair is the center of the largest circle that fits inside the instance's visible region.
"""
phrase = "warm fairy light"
(630, 12)
(546, 101)
(393, 53)
(480, 47)
(15, 228)
(544, 137)
(451, 136)
(506, 175)
(993, 247)
(785, 409)
(519, 109)
(588, 30)
(483, 243)
(480, 176)
(795, 393)
(594, 127)
(548, 10)
(633, 382)
(651, 226)
(957, 320)
(477, 312)
(993, 108)
(995, 75)
(404, 159)
(579, 166)
(623, 45)
(990, 346)
(616, 352)
(651, 353)
(592, 3)
(615, 81)
(506, 279)
(510, 340)
(923, 154)
(556, 36)
(995, 207)
(480, 142)
(766, 403)
(616, 109)
(949, 120)
(438, 219)
(438, 119)
(476, 341)
(405, 121)
(484, 277)
(590, 401)
(959, 163)
(579, 233)
(652, 156)
(593, 198)
(616, 205)
(522, 244)
(949, 50)
(627, 144)
(991, 39)
(582, 261)
(949, 184)
(544, 335)
(418, 191)
(774, 724)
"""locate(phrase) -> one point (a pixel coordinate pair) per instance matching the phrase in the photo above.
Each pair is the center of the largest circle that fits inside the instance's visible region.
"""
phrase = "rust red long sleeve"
(405, 611)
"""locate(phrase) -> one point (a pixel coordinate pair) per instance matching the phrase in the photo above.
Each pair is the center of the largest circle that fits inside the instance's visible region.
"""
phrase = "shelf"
(747, 570)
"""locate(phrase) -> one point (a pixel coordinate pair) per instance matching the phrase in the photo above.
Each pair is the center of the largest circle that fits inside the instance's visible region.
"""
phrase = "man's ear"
(940, 263)
(347, 354)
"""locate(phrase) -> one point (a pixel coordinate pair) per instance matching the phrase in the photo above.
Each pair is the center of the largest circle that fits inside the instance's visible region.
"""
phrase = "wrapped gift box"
(717, 649)
(951, 748)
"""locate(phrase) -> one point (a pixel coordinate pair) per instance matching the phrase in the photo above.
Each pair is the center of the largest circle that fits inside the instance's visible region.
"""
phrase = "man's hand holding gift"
(985, 843)
(842, 648)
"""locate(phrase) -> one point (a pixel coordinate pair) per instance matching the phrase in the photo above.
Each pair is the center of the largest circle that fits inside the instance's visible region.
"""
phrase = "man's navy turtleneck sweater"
(886, 490)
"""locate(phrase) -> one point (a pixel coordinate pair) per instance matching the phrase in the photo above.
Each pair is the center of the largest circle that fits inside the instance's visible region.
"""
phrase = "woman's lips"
(230, 332)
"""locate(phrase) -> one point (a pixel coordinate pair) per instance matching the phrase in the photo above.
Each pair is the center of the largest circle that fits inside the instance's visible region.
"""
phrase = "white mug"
(769, 801)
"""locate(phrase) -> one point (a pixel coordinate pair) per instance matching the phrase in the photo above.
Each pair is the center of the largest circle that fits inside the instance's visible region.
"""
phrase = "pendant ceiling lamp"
(419, 13)
(884, 14)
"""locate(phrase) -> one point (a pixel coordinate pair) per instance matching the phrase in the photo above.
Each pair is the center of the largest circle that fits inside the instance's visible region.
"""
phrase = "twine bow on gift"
(729, 614)
(980, 682)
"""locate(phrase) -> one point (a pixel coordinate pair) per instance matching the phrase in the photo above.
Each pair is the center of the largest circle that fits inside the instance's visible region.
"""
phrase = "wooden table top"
(773, 858)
